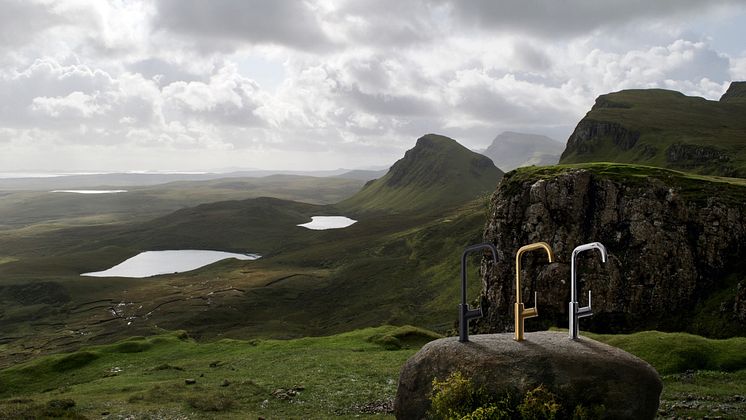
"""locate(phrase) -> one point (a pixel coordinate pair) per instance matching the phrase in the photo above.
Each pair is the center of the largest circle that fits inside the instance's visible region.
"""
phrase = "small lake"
(90, 191)
(328, 222)
(153, 263)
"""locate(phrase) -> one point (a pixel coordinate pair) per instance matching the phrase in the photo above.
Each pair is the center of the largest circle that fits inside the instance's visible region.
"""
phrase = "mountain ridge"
(437, 172)
(664, 128)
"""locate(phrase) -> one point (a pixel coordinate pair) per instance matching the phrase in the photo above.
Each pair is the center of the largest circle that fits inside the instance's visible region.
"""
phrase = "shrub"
(539, 404)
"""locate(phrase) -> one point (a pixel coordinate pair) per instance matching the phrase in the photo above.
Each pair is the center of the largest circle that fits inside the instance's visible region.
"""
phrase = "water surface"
(328, 222)
(90, 191)
(153, 263)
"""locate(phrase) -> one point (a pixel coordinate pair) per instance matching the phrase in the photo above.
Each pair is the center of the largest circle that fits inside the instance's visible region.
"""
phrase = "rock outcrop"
(581, 372)
(676, 244)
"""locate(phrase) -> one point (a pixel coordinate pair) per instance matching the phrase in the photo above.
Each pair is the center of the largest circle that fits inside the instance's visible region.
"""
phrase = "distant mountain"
(112, 180)
(511, 150)
(665, 128)
(437, 173)
(364, 175)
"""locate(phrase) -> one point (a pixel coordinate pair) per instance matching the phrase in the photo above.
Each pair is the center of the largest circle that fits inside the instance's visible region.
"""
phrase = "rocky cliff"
(676, 242)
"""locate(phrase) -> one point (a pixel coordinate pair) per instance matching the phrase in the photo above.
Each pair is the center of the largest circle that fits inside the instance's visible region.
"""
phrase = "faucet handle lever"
(586, 311)
(532, 312)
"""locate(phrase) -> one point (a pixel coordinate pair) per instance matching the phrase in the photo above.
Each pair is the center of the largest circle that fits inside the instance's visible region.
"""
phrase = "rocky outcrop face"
(676, 248)
(588, 132)
(582, 372)
(736, 92)
(689, 156)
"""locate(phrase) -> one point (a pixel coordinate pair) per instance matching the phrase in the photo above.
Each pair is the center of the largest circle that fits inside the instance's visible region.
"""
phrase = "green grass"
(317, 377)
(694, 187)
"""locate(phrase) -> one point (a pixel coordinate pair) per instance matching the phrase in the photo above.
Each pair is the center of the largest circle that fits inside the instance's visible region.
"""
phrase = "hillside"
(666, 129)
(438, 173)
(511, 150)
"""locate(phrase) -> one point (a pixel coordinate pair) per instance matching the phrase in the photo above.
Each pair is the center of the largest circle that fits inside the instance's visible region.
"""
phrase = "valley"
(353, 291)
(389, 267)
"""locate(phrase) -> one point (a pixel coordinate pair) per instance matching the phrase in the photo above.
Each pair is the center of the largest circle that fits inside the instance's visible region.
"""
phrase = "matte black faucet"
(464, 313)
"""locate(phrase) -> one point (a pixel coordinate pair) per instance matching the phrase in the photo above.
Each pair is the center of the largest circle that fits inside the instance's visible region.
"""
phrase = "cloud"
(348, 82)
(228, 98)
(549, 18)
(21, 21)
(280, 22)
(75, 105)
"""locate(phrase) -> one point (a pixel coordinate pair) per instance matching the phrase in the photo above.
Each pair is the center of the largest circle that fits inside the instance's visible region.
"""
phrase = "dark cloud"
(388, 22)
(552, 18)
(390, 104)
(279, 22)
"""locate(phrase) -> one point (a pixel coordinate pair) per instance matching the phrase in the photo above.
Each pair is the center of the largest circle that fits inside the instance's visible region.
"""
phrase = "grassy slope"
(663, 118)
(344, 375)
(438, 173)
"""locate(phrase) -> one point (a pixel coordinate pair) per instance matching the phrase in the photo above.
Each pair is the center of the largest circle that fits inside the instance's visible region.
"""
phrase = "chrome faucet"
(576, 312)
(520, 312)
(464, 314)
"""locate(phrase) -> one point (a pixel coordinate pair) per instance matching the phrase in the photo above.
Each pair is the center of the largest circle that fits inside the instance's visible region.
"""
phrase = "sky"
(197, 85)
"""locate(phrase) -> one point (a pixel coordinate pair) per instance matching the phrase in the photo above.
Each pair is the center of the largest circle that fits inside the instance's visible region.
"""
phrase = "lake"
(90, 191)
(328, 222)
(153, 263)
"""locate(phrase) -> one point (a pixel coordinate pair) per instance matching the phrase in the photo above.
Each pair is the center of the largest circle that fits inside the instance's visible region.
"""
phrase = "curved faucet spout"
(576, 312)
(520, 312)
(465, 314)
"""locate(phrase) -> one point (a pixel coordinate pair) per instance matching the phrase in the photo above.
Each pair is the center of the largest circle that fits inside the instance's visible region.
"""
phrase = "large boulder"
(581, 371)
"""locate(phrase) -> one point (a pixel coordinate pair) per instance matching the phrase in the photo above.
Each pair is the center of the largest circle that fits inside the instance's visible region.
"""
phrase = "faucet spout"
(464, 313)
(520, 312)
(576, 312)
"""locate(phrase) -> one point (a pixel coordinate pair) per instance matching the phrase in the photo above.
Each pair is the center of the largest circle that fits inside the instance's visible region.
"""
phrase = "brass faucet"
(520, 312)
